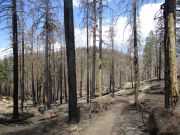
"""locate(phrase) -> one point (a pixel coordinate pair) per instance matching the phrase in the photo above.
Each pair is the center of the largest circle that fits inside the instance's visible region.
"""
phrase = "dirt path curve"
(103, 125)
(118, 120)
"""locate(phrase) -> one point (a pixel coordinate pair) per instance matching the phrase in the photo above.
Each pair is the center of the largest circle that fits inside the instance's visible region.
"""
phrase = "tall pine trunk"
(112, 58)
(100, 53)
(22, 74)
(166, 66)
(46, 59)
(71, 63)
(32, 74)
(53, 76)
(81, 77)
(94, 52)
(170, 13)
(15, 60)
(60, 79)
(136, 68)
(65, 80)
(160, 61)
(87, 36)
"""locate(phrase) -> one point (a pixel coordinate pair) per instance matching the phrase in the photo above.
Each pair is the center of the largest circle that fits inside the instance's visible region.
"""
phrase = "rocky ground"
(118, 117)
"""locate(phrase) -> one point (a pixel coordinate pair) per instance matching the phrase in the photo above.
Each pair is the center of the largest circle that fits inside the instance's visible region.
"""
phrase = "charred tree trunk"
(61, 76)
(65, 87)
(0, 91)
(46, 59)
(15, 60)
(80, 90)
(58, 90)
(53, 77)
(71, 63)
(32, 71)
(157, 60)
(33, 87)
(22, 66)
(112, 58)
(22, 81)
(87, 27)
(132, 81)
(94, 51)
(110, 80)
(60, 82)
(65, 80)
(50, 75)
(20, 74)
(160, 61)
(166, 71)
(100, 53)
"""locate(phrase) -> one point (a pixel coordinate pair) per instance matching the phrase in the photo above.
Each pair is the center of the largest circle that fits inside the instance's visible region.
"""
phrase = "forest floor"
(118, 117)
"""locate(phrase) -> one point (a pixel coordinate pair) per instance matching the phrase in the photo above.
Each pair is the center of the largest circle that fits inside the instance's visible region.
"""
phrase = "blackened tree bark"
(22, 47)
(60, 79)
(110, 80)
(65, 80)
(87, 36)
(71, 63)
(53, 75)
(94, 51)
(15, 60)
(32, 67)
(65, 87)
(160, 61)
(112, 59)
(46, 59)
(81, 77)
(32, 83)
(136, 68)
(166, 55)
(0, 91)
(100, 53)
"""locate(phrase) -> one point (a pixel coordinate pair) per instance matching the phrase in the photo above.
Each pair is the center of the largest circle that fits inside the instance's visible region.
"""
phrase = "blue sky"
(146, 13)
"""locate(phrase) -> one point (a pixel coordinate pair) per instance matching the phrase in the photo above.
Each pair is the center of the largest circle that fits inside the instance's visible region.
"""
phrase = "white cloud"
(121, 34)
(80, 37)
(76, 3)
(5, 52)
(147, 14)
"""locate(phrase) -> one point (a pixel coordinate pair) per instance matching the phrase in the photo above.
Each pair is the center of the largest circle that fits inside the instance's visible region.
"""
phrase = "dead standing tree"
(15, 60)
(136, 68)
(7, 7)
(71, 63)
(22, 22)
(100, 53)
(86, 7)
(171, 86)
(94, 50)
(43, 12)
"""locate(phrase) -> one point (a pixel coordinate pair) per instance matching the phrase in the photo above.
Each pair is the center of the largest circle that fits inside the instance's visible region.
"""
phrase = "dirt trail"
(103, 125)
(118, 120)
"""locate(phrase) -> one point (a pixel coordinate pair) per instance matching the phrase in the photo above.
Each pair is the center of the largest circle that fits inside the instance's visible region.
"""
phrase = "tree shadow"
(6, 119)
